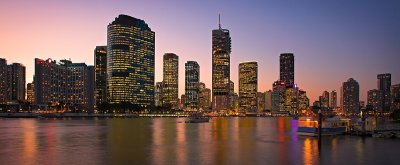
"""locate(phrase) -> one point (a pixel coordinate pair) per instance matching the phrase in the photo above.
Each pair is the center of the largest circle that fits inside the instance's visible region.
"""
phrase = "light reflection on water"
(171, 141)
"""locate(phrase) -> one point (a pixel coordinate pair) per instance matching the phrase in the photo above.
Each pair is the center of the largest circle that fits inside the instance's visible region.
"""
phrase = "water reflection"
(171, 141)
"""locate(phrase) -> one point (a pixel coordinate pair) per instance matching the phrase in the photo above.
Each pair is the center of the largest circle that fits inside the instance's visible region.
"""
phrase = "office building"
(30, 93)
(374, 100)
(17, 82)
(100, 63)
(304, 102)
(158, 94)
(205, 97)
(130, 62)
(325, 100)
(221, 50)
(170, 79)
(248, 86)
(395, 94)
(192, 88)
(287, 68)
(333, 99)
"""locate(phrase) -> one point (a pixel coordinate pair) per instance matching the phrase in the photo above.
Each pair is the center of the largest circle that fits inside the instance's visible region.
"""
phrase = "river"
(242, 141)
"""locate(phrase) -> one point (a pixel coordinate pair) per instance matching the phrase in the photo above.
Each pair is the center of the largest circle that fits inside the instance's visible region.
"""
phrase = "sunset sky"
(332, 40)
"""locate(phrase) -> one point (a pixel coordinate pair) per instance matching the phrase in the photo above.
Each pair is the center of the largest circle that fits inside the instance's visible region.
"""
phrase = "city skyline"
(319, 66)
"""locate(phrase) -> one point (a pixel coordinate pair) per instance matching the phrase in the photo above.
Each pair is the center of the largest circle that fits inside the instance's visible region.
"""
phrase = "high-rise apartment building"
(304, 102)
(287, 68)
(278, 97)
(221, 50)
(268, 100)
(384, 83)
(130, 61)
(350, 96)
(192, 88)
(291, 96)
(17, 82)
(325, 100)
(170, 79)
(248, 86)
(100, 62)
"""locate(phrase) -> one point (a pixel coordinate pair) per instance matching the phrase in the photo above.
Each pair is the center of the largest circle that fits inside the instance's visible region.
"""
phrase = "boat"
(197, 119)
(308, 126)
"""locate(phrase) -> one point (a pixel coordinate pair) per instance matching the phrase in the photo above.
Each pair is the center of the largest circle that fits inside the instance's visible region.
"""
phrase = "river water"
(229, 141)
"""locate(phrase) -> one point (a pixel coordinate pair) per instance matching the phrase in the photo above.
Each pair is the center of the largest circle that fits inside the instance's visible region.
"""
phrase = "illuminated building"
(158, 94)
(231, 93)
(287, 68)
(333, 99)
(30, 92)
(304, 102)
(100, 62)
(248, 86)
(170, 79)
(374, 100)
(17, 82)
(350, 96)
(291, 98)
(325, 100)
(395, 94)
(221, 50)
(182, 102)
(205, 97)
(4, 92)
(278, 97)
(130, 62)
(192, 80)
(384, 83)
(50, 82)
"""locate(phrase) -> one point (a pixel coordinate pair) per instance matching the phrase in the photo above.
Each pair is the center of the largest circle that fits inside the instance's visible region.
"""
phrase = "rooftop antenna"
(219, 20)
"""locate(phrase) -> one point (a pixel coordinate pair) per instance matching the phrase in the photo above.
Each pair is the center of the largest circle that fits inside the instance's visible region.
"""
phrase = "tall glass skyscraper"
(170, 79)
(248, 86)
(221, 50)
(287, 68)
(100, 62)
(130, 61)
(192, 80)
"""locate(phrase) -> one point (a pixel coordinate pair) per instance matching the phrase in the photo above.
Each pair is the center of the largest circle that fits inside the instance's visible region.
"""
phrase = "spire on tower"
(219, 20)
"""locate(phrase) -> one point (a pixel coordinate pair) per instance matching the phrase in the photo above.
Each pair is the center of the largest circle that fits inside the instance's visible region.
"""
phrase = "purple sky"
(332, 41)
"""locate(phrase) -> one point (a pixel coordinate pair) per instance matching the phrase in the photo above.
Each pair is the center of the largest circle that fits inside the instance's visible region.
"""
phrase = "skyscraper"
(333, 99)
(268, 100)
(350, 100)
(278, 95)
(248, 86)
(17, 82)
(4, 92)
(130, 61)
(192, 80)
(221, 50)
(287, 68)
(170, 78)
(304, 102)
(158, 95)
(100, 62)
(384, 83)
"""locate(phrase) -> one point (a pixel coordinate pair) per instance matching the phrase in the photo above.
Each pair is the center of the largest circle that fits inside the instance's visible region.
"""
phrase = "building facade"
(30, 93)
(350, 96)
(221, 50)
(205, 97)
(304, 102)
(287, 68)
(395, 94)
(4, 90)
(384, 84)
(333, 99)
(192, 88)
(374, 100)
(100, 63)
(130, 61)
(158, 95)
(170, 79)
(325, 100)
(248, 86)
